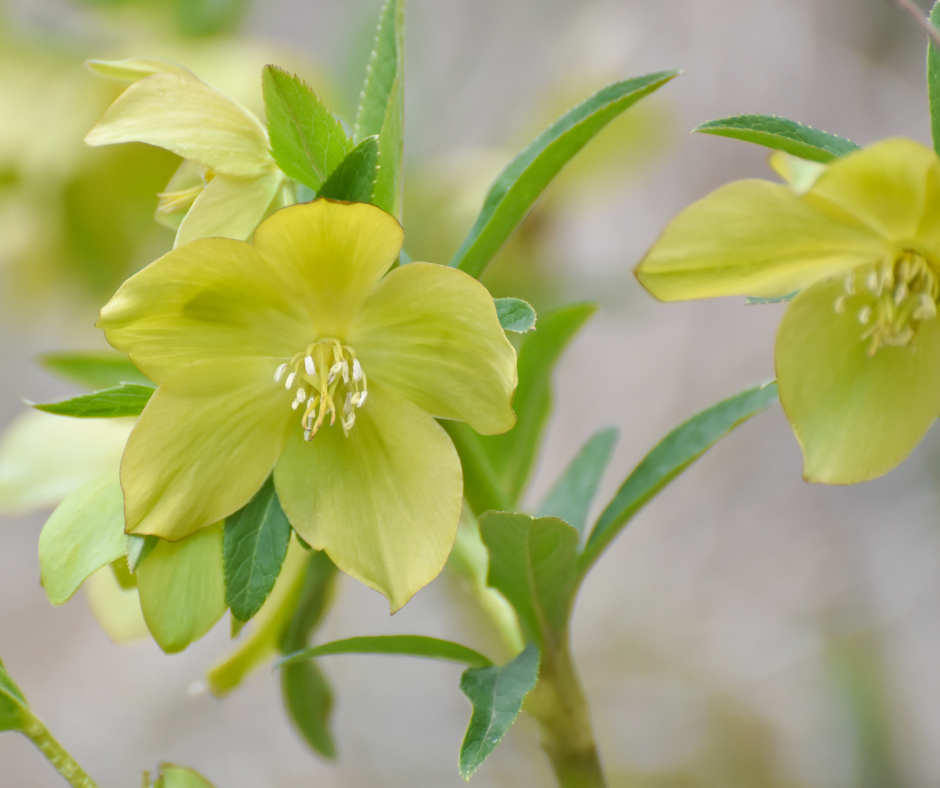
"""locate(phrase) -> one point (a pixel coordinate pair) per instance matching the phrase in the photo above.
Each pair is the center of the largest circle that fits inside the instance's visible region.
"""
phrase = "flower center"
(891, 298)
(181, 200)
(325, 373)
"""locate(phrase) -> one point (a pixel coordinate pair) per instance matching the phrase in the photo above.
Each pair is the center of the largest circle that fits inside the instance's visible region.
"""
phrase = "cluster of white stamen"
(181, 200)
(899, 294)
(322, 369)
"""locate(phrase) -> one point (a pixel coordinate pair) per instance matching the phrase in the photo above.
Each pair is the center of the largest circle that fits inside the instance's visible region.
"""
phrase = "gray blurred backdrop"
(748, 629)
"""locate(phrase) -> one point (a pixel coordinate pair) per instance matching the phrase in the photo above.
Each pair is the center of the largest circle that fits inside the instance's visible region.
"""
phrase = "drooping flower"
(295, 353)
(858, 350)
(228, 181)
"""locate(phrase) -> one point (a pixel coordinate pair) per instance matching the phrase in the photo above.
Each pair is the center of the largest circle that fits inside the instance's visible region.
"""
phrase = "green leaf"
(519, 185)
(512, 454)
(308, 143)
(354, 179)
(496, 693)
(404, 645)
(14, 711)
(533, 563)
(672, 455)
(180, 777)
(755, 301)
(781, 134)
(571, 497)
(83, 534)
(307, 696)
(94, 369)
(933, 79)
(253, 550)
(138, 548)
(515, 314)
(481, 487)
(127, 399)
(384, 65)
(206, 17)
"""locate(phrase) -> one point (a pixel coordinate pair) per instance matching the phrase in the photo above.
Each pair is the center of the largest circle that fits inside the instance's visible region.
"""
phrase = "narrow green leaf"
(933, 79)
(496, 693)
(383, 68)
(481, 487)
(14, 711)
(382, 105)
(354, 178)
(308, 143)
(571, 497)
(672, 455)
(83, 534)
(404, 645)
(180, 777)
(515, 314)
(781, 134)
(525, 178)
(533, 563)
(253, 550)
(754, 300)
(127, 399)
(138, 548)
(307, 695)
(94, 369)
(207, 17)
(512, 454)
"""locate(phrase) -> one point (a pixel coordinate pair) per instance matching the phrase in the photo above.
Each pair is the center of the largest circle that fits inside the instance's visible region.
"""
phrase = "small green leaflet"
(533, 563)
(571, 497)
(253, 549)
(138, 548)
(180, 777)
(525, 178)
(354, 178)
(307, 695)
(307, 142)
(127, 399)
(755, 300)
(496, 693)
(404, 645)
(93, 369)
(14, 711)
(933, 79)
(515, 314)
(83, 534)
(781, 134)
(672, 455)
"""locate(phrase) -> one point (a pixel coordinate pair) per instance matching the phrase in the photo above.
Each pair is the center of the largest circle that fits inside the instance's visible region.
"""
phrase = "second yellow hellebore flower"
(295, 353)
(228, 181)
(858, 350)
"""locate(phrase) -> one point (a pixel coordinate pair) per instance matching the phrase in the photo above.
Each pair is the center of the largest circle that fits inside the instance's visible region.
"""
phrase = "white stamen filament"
(357, 370)
(279, 373)
(289, 383)
(864, 315)
(309, 366)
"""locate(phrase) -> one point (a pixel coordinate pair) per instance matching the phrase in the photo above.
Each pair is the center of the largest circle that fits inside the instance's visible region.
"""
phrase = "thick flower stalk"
(303, 354)
(858, 350)
(228, 182)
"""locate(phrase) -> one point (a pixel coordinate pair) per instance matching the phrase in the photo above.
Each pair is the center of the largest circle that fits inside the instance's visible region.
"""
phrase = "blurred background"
(748, 629)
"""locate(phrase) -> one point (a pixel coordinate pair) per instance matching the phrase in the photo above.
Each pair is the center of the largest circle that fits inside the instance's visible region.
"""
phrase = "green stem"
(559, 705)
(39, 735)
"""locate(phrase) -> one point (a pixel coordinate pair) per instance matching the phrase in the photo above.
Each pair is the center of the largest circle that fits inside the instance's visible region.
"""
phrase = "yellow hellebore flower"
(228, 181)
(858, 350)
(295, 353)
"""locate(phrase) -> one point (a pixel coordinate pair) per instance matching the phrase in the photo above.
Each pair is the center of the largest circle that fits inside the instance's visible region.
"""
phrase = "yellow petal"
(133, 68)
(182, 588)
(85, 533)
(229, 207)
(431, 333)
(204, 445)
(753, 238)
(892, 187)
(331, 254)
(856, 416)
(44, 457)
(267, 627)
(184, 115)
(213, 298)
(384, 502)
(117, 610)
